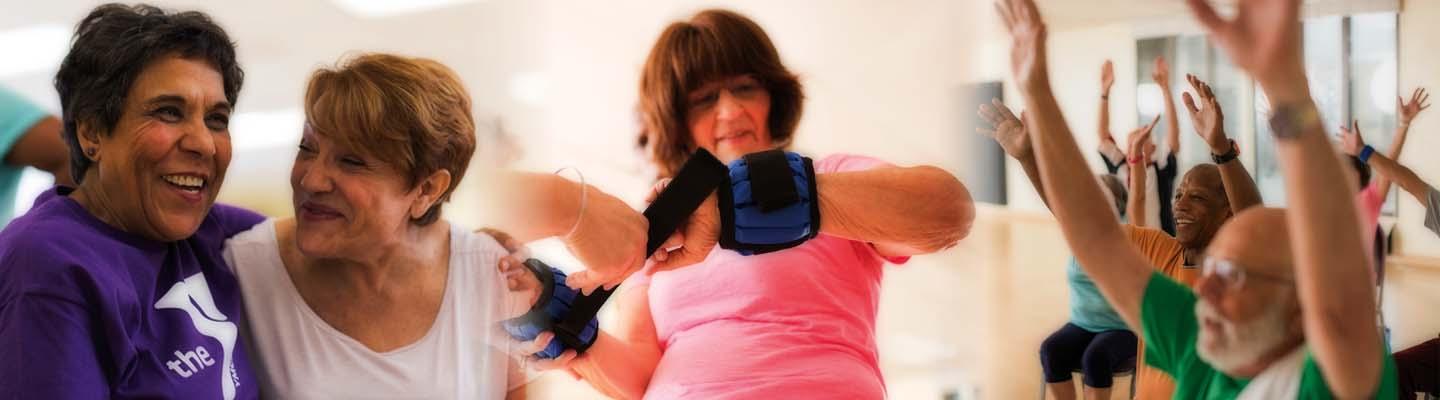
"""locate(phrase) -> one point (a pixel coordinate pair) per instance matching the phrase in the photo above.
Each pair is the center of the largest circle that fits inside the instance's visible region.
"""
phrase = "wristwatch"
(1290, 120)
(1229, 156)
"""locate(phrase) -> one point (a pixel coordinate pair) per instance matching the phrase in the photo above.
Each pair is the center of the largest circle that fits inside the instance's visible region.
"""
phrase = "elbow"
(954, 213)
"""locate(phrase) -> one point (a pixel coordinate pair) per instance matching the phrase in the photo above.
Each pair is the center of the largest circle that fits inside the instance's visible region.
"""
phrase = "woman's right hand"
(609, 239)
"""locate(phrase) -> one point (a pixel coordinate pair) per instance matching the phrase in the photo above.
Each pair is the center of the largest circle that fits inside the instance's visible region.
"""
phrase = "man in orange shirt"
(1207, 196)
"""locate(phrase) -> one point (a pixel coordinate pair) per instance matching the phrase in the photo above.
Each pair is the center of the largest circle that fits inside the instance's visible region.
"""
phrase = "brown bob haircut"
(412, 114)
(712, 45)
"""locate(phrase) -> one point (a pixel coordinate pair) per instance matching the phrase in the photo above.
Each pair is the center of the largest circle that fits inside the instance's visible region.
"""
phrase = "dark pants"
(1418, 368)
(1098, 356)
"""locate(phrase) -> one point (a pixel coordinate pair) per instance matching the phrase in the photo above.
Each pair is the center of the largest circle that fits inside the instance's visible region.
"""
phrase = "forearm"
(1383, 181)
(1032, 173)
(924, 208)
(1332, 277)
(1240, 188)
(1409, 182)
(541, 205)
(1172, 120)
(1097, 241)
(1104, 129)
(1135, 202)
(617, 368)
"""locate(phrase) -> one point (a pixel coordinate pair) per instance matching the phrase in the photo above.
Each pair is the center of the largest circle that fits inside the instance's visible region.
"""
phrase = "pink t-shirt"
(1370, 203)
(796, 323)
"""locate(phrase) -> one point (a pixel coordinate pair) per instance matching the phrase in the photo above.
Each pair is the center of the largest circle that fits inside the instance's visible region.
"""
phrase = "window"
(1351, 63)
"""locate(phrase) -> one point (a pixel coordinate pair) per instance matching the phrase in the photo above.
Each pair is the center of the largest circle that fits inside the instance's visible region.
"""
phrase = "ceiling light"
(389, 8)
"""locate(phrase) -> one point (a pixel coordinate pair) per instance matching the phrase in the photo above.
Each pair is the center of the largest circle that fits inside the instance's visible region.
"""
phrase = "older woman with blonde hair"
(367, 292)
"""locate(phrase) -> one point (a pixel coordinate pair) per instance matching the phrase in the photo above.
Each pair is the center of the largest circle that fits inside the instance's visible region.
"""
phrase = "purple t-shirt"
(88, 311)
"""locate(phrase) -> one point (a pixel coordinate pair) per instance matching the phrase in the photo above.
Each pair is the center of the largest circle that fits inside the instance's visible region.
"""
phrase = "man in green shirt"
(1285, 305)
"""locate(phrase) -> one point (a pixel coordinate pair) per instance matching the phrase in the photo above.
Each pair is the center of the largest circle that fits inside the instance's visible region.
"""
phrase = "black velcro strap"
(772, 182)
(700, 176)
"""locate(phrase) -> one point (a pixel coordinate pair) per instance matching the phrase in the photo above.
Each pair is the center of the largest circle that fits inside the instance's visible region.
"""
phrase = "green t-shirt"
(1171, 329)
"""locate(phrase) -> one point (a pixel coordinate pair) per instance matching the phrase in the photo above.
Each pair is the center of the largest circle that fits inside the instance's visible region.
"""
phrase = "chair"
(1127, 369)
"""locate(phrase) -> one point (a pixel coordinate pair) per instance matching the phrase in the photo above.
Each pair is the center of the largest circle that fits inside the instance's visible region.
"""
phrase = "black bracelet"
(1228, 156)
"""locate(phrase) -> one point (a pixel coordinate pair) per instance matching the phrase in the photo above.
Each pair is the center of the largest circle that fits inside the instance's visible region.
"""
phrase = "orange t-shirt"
(1166, 255)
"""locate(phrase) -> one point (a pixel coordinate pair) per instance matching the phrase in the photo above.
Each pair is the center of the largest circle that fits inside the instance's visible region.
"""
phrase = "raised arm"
(1419, 101)
(1106, 143)
(1161, 74)
(1009, 132)
(1352, 142)
(1331, 268)
(1102, 248)
(1209, 123)
(1141, 149)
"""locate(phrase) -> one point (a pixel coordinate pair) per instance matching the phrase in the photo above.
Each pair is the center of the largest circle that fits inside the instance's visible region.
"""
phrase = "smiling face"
(727, 117)
(346, 204)
(1200, 206)
(158, 172)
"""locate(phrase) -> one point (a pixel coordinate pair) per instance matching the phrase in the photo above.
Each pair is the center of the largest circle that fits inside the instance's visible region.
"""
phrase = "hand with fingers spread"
(1007, 130)
(1205, 113)
(1107, 78)
(1350, 140)
(1028, 35)
(1419, 101)
(695, 238)
(1263, 39)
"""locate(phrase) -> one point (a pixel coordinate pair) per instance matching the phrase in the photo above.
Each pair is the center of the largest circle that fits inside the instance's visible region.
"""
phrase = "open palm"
(1008, 131)
(1263, 38)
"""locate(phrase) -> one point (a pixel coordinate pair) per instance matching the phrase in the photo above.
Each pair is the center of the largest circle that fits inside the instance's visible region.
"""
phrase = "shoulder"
(230, 220)
(48, 252)
(843, 162)
(475, 247)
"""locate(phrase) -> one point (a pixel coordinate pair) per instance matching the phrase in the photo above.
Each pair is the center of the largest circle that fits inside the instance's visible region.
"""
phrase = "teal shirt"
(1170, 337)
(1088, 309)
(17, 115)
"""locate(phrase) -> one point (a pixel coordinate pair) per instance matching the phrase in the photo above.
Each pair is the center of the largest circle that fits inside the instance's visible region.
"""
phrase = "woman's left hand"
(522, 287)
(695, 238)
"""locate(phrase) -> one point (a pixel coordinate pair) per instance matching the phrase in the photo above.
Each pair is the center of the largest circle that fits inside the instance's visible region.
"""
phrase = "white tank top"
(297, 355)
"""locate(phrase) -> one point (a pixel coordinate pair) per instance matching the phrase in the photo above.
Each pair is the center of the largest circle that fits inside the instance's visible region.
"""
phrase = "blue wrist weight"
(1365, 153)
(550, 308)
(769, 203)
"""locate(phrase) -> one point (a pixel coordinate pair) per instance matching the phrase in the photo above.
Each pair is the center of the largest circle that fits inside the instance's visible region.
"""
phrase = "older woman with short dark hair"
(116, 288)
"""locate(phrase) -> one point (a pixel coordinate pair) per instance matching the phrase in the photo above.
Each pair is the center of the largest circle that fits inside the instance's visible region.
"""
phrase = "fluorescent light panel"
(390, 8)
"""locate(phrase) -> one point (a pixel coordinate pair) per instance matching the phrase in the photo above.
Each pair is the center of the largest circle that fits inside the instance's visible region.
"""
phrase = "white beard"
(1239, 344)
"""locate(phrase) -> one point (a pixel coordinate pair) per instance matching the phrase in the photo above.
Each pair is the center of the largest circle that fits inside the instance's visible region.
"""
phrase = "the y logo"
(192, 295)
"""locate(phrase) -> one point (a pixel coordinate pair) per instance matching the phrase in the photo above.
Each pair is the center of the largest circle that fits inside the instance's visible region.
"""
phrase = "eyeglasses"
(1233, 275)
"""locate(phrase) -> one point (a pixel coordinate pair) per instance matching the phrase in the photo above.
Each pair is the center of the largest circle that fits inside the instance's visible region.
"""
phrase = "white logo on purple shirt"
(192, 295)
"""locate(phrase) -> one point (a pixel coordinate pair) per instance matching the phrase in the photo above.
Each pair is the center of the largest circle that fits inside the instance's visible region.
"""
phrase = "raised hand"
(1028, 34)
(1206, 114)
(1141, 147)
(1008, 130)
(1264, 39)
(1107, 77)
(1161, 72)
(1350, 140)
(1419, 101)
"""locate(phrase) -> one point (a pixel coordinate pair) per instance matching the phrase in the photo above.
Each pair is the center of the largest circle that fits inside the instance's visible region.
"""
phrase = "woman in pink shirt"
(795, 323)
